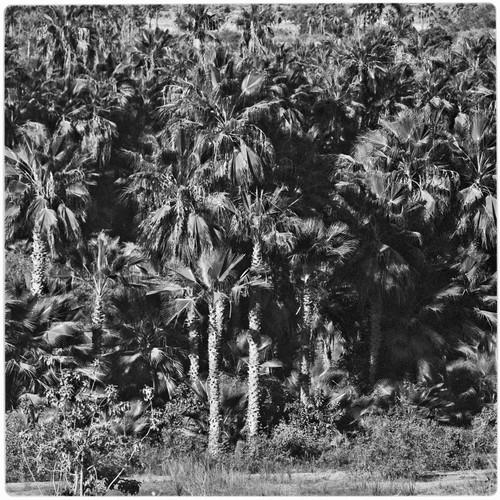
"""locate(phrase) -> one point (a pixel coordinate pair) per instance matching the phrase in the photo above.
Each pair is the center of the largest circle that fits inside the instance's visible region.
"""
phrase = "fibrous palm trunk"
(253, 413)
(194, 349)
(216, 314)
(324, 352)
(254, 325)
(97, 319)
(98, 312)
(375, 334)
(39, 258)
(305, 360)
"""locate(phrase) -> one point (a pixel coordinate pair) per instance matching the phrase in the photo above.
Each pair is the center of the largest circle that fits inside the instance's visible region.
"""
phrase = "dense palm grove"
(258, 204)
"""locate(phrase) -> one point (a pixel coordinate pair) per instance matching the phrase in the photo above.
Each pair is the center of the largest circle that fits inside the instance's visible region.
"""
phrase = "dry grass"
(191, 478)
(196, 479)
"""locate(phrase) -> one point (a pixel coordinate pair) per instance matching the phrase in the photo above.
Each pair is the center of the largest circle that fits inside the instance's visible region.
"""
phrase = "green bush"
(291, 441)
(401, 443)
(17, 465)
(184, 422)
(483, 439)
(51, 450)
(18, 266)
(306, 432)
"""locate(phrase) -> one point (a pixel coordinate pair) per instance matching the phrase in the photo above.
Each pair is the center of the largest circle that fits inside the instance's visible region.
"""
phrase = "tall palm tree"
(146, 55)
(38, 197)
(256, 30)
(318, 247)
(382, 265)
(214, 280)
(377, 80)
(218, 121)
(179, 216)
(260, 219)
(199, 23)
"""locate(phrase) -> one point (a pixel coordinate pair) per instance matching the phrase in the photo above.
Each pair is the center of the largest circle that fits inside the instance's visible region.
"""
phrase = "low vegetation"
(115, 442)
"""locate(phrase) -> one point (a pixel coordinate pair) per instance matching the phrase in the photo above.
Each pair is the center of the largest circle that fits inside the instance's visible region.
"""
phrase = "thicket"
(249, 228)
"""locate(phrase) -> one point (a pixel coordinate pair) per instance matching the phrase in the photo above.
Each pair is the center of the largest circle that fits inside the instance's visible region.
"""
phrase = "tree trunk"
(375, 334)
(39, 258)
(324, 352)
(305, 360)
(216, 314)
(257, 260)
(97, 320)
(253, 413)
(98, 312)
(194, 347)
(254, 325)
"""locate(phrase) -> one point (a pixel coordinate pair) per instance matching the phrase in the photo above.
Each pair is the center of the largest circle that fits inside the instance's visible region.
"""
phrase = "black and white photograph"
(250, 249)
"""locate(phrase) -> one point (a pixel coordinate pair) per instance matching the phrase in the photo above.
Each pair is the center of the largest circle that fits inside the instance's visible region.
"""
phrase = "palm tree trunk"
(253, 413)
(305, 360)
(98, 312)
(254, 325)
(257, 260)
(216, 314)
(375, 334)
(39, 258)
(97, 320)
(323, 352)
(194, 347)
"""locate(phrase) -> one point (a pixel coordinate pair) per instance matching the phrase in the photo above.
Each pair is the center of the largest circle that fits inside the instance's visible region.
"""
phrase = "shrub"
(484, 439)
(70, 444)
(291, 441)
(184, 422)
(17, 266)
(401, 443)
(52, 451)
(17, 466)
(306, 432)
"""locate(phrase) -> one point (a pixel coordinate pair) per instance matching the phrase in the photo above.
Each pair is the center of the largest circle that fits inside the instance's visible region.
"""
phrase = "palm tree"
(106, 261)
(186, 298)
(318, 247)
(412, 151)
(147, 53)
(377, 80)
(410, 148)
(256, 30)
(139, 347)
(258, 218)
(199, 24)
(473, 157)
(214, 281)
(335, 112)
(382, 264)
(218, 122)
(42, 336)
(179, 216)
(38, 196)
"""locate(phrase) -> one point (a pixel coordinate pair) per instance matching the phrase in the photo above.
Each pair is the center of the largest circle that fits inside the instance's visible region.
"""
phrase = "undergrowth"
(393, 445)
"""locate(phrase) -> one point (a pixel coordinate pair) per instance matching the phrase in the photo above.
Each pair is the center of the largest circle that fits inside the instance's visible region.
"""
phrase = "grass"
(196, 477)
